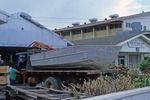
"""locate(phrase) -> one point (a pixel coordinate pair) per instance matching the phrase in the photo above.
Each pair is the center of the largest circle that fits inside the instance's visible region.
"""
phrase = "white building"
(107, 27)
(142, 18)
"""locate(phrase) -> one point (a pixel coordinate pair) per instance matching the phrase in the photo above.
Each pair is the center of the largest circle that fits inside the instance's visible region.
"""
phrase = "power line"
(49, 21)
(68, 18)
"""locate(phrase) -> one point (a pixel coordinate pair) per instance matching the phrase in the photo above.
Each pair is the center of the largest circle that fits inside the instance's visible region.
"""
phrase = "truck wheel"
(53, 83)
(32, 81)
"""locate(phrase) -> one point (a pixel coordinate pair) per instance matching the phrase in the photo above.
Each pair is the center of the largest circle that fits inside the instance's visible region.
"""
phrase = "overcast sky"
(61, 13)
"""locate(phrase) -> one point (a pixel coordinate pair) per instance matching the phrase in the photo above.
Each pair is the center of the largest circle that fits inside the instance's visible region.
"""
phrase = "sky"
(62, 13)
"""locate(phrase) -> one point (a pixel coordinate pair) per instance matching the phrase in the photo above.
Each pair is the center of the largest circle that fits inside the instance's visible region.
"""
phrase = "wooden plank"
(39, 91)
(32, 94)
(2, 96)
(54, 90)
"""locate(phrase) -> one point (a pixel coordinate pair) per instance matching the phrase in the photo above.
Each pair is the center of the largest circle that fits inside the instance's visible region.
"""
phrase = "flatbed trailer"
(35, 93)
(55, 78)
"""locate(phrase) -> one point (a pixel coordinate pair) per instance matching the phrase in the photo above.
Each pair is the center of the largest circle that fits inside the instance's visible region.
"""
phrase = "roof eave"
(130, 39)
(89, 24)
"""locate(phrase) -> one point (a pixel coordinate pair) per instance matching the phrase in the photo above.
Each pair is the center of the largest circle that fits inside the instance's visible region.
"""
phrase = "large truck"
(52, 68)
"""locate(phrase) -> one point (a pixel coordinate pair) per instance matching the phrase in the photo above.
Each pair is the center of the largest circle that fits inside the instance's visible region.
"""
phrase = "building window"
(76, 32)
(128, 25)
(67, 33)
(87, 30)
(59, 33)
(144, 28)
(121, 60)
(99, 28)
(114, 26)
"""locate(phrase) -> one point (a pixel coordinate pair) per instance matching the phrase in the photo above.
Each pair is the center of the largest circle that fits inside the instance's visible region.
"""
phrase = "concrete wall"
(134, 94)
(101, 33)
(88, 35)
(114, 31)
(76, 37)
(67, 37)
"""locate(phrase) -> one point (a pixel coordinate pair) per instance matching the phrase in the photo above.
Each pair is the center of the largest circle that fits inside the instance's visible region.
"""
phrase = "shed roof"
(21, 31)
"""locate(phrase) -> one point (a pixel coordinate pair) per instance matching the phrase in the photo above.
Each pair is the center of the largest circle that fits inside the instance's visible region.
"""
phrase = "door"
(134, 60)
(121, 60)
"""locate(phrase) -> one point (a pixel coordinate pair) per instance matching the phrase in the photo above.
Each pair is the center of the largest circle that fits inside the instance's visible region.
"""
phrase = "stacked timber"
(36, 93)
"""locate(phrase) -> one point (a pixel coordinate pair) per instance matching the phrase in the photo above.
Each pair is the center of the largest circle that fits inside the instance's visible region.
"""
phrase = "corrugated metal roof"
(20, 32)
(108, 40)
(22, 14)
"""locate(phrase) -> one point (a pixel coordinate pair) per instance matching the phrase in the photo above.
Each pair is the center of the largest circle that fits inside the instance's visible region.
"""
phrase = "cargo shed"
(18, 31)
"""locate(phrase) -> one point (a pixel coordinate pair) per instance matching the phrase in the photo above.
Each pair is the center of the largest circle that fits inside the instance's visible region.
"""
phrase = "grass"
(108, 84)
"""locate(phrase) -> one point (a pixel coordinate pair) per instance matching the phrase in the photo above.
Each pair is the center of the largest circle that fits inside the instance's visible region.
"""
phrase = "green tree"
(144, 64)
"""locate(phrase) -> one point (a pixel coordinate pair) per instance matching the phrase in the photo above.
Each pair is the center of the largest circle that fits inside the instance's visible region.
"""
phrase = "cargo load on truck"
(75, 57)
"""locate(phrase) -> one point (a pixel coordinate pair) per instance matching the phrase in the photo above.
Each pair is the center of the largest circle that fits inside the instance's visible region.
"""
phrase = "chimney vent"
(114, 16)
(76, 24)
(93, 20)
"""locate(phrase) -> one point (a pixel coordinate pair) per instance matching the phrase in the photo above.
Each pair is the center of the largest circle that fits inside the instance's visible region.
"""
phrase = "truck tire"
(53, 83)
(32, 81)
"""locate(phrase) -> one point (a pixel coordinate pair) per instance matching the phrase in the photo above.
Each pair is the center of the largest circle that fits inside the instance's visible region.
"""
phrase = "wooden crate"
(4, 69)
(4, 75)
(3, 80)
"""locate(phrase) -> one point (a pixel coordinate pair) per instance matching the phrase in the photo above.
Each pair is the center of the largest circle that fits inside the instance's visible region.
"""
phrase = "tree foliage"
(144, 64)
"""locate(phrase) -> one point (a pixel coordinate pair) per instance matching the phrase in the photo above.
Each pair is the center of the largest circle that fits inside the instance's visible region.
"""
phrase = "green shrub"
(142, 80)
(144, 64)
(133, 73)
